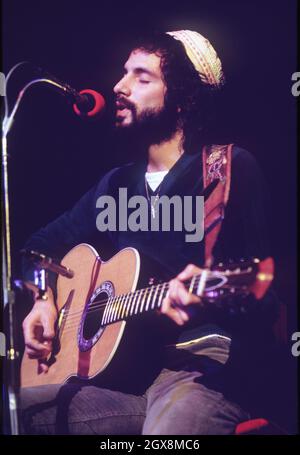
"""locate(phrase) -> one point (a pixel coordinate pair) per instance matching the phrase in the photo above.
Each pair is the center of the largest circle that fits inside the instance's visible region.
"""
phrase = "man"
(162, 104)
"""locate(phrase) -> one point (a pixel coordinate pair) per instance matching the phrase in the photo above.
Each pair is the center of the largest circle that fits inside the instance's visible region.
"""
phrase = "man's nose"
(122, 87)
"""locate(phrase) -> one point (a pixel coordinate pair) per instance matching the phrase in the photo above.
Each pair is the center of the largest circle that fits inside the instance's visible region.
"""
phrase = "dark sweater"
(244, 231)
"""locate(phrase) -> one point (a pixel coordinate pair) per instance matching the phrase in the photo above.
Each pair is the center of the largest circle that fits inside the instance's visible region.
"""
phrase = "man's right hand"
(39, 330)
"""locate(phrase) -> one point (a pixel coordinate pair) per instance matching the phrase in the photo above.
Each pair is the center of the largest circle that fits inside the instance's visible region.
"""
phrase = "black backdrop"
(56, 157)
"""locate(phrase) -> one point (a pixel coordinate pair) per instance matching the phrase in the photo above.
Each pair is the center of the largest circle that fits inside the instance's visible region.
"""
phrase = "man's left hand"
(178, 298)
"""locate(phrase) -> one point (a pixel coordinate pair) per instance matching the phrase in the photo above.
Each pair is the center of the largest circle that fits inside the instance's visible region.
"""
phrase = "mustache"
(125, 103)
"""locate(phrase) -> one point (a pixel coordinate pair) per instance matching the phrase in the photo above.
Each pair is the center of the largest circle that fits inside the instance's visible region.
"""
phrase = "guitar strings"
(74, 324)
(112, 301)
(157, 288)
(104, 302)
(68, 326)
(74, 317)
(69, 318)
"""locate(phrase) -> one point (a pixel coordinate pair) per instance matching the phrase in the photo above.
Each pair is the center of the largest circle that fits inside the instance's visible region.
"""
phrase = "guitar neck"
(210, 285)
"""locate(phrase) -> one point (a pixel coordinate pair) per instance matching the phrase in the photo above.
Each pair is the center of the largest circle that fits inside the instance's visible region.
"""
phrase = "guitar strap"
(216, 166)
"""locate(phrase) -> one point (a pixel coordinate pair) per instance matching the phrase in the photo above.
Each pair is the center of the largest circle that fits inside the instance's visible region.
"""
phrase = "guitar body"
(84, 349)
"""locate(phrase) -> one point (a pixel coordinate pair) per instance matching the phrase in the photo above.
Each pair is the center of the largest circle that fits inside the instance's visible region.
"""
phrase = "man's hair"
(184, 87)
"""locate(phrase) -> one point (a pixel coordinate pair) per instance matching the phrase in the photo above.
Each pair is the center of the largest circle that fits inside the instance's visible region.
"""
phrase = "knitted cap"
(202, 55)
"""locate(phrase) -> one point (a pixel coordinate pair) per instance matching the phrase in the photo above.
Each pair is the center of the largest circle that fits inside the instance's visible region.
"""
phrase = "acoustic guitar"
(95, 305)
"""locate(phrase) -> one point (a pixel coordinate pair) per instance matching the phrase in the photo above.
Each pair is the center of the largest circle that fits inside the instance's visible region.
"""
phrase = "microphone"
(86, 103)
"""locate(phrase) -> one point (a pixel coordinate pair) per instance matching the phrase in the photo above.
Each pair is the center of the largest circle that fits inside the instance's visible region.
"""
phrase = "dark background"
(56, 157)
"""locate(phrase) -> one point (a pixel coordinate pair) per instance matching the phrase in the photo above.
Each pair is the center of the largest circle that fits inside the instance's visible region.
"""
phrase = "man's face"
(141, 90)
(143, 112)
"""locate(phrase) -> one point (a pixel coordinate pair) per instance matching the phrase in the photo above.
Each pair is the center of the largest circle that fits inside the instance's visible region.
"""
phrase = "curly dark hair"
(185, 90)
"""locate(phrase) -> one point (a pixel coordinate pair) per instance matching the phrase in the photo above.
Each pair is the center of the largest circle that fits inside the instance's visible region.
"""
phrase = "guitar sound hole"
(94, 315)
(90, 329)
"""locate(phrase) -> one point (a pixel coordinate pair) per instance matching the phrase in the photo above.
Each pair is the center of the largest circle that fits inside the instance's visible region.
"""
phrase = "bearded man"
(186, 381)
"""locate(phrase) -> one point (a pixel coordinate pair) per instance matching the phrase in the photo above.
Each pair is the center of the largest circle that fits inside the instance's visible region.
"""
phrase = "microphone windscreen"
(99, 103)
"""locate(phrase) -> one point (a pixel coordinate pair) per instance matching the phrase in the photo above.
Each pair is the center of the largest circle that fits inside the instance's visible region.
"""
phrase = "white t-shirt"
(154, 179)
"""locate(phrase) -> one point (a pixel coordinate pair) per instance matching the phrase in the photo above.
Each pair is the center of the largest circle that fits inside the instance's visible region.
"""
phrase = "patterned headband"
(202, 55)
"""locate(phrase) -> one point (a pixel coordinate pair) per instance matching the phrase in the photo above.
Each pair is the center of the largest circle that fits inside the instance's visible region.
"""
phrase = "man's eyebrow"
(140, 70)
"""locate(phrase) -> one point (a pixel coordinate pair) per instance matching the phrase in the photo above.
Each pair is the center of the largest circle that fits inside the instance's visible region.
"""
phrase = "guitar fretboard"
(124, 306)
(148, 299)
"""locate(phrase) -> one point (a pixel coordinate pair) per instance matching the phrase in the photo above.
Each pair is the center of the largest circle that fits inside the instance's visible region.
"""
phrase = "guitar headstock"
(251, 276)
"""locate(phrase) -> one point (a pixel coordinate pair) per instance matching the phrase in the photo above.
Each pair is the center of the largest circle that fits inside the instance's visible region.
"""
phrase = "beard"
(151, 126)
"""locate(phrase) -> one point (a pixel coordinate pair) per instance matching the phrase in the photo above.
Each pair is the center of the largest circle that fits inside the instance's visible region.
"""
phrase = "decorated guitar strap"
(216, 166)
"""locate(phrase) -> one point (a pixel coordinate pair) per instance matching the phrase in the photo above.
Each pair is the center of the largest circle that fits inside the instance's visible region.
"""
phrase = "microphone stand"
(9, 296)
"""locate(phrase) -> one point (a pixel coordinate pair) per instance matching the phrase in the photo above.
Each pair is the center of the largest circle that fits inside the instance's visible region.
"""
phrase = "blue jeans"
(180, 401)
